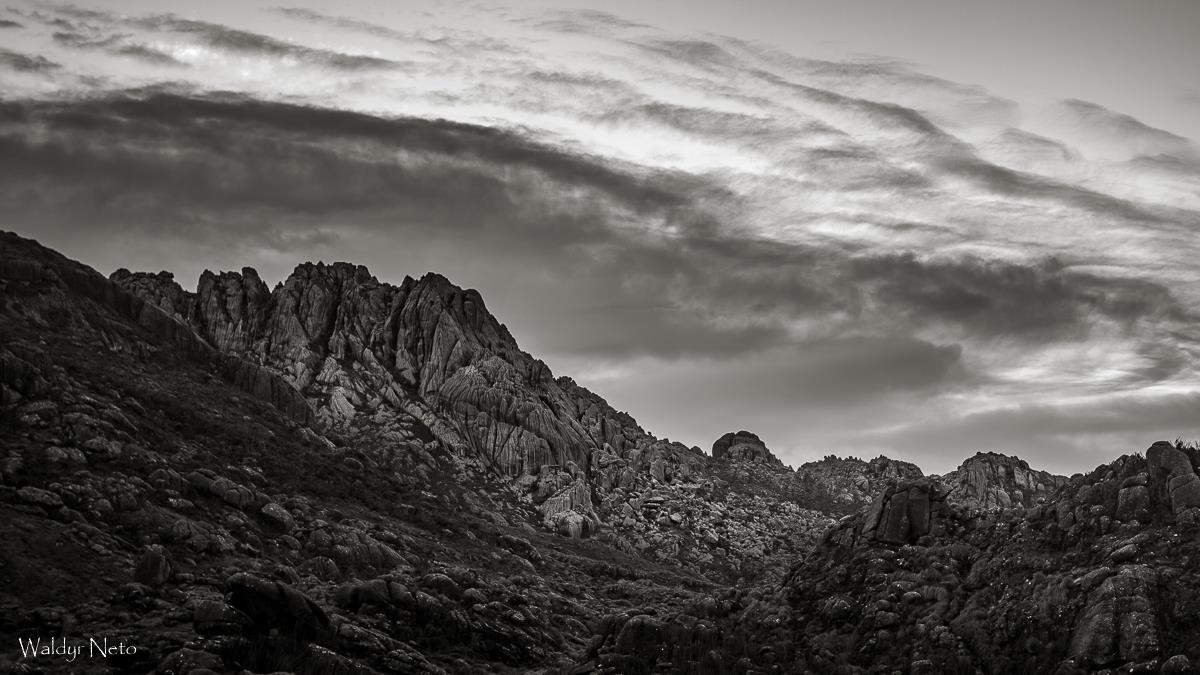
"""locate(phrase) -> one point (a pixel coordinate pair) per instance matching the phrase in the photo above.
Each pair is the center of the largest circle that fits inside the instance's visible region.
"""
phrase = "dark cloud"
(26, 63)
(591, 21)
(1023, 186)
(9, 23)
(189, 144)
(148, 54)
(83, 13)
(1058, 436)
(117, 44)
(643, 263)
(81, 41)
(68, 18)
(697, 53)
(996, 298)
(342, 22)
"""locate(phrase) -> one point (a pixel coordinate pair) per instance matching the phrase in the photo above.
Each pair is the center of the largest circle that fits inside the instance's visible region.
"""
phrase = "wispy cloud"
(247, 42)
(26, 63)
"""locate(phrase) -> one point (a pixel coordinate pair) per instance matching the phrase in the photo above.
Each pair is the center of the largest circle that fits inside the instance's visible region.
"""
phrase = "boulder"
(1118, 624)
(277, 517)
(902, 513)
(154, 567)
(273, 605)
(642, 637)
(1133, 504)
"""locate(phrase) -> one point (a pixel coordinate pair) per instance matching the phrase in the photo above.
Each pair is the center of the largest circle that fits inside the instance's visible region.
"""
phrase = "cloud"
(234, 40)
(1107, 135)
(148, 54)
(9, 23)
(202, 137)
(733, 235)
(458, 42)
(1116, 124)
(1062, 436)
(205, 168)
(1041, 301)
(586, 21)
(26, 63)
(116, 44)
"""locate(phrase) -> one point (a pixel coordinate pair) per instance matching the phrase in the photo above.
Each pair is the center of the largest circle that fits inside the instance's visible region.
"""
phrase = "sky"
(918, 229)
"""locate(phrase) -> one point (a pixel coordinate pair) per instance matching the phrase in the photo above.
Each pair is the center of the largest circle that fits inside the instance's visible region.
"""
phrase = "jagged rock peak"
(993, 481)
(743, 446)
(845, 485)
(426, 351)
(342, 271)
(159, 289)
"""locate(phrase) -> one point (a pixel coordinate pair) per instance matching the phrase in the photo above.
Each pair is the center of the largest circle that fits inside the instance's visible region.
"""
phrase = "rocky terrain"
(991, 481)
(340, 475)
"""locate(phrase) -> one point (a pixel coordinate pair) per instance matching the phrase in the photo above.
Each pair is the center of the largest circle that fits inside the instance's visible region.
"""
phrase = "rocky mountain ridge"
(341, 475)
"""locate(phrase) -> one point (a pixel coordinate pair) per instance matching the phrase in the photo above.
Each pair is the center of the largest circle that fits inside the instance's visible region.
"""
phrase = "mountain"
(340, 475)
(1097, 578)
(844, 486)
(239, 466)
(992, 481)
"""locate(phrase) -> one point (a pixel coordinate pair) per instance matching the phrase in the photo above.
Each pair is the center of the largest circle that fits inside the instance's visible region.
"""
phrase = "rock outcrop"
(426, 351)
(1173, 483)
(1119, 623)
(991, 481)
(921, 584)
(903, 512)
(847, 485)
(743, 446)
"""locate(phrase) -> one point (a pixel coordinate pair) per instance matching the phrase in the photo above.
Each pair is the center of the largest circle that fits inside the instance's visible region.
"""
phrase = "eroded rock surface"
(991, 481)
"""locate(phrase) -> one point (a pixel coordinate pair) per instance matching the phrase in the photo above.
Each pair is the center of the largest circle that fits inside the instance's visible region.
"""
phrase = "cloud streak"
(26, 63)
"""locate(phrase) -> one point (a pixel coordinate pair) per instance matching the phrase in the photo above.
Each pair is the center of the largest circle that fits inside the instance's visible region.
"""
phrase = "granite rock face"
(159, 290)
(1173, 483)
(903, 513)
(1119, 623)
(425, 351)
(991, 481)
(846, 485)
(743, 446)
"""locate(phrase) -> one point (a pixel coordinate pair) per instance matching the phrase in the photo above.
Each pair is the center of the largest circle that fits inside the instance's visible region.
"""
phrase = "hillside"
(340, 475)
